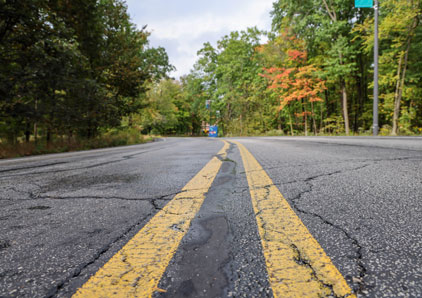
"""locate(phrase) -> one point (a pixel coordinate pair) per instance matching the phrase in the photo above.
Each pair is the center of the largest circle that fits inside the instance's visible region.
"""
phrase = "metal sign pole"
(210, 112)
(375, 114)
(375, 4)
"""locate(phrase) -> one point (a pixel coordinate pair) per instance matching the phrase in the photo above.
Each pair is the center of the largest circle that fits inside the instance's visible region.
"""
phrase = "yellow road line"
(136, 269)
(297, 265)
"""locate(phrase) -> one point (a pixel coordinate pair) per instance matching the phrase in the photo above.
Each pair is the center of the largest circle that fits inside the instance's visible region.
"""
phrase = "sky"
(183, 26)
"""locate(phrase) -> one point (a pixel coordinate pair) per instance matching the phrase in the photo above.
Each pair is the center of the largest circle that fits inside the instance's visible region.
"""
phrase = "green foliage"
(399, 75)
(167, 110)
(338, 40)
(333, 125)
(110, 138)
(81, 69)
(71, 67)
(228, 76)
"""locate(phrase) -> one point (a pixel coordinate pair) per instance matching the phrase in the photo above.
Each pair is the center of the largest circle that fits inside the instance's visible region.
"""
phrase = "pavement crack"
(344, 161)
(33, 167)
(310, 179)
(123, 158)
(358, 145)
(240, 190)
(96, 256)
(302, 261)
(152, 199)
(30, 195)
(129, 266)
(358, 248)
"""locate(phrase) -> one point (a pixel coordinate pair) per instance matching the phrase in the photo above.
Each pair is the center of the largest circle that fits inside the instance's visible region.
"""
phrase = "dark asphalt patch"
(221, 255)
(39, 207)
(204, 256)
(98, 201)
(4, 244)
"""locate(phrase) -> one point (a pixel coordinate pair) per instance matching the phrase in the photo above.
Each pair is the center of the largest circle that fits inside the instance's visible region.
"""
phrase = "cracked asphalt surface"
(63, 216)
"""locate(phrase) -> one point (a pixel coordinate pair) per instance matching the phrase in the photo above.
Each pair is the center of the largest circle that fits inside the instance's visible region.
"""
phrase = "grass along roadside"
(112, 138)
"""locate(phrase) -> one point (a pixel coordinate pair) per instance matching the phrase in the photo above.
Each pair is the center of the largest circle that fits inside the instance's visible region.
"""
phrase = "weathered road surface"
(247, 217)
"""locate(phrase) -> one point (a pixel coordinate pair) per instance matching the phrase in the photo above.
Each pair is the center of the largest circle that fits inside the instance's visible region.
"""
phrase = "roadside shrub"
(111, 138)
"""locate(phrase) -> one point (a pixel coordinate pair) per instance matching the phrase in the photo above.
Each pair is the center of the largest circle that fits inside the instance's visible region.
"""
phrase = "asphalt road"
(63, 216)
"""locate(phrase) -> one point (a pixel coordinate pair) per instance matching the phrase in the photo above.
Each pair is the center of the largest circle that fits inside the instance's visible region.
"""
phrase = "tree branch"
(332, 14)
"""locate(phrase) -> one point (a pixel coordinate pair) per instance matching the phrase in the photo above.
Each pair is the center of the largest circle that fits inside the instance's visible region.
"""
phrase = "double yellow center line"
(296, 264)
(136, 269)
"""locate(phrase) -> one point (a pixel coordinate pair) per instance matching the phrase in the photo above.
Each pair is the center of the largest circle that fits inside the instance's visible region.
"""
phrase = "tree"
(326, 26)
(72, 67)
(398, 27)
(297, 81)
(168, 111)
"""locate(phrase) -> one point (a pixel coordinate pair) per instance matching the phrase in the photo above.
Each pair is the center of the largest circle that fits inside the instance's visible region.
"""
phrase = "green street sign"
(364, 3)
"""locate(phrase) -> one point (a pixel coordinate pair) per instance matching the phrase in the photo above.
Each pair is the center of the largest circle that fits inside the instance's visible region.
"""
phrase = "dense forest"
(72, 69)
(314, 75)
(78, 69)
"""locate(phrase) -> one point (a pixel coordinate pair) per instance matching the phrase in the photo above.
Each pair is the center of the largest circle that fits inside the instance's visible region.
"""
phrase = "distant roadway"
(202, 217)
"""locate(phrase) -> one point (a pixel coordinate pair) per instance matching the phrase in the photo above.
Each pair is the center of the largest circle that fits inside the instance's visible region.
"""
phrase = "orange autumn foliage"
(296, 55)
(295, 83)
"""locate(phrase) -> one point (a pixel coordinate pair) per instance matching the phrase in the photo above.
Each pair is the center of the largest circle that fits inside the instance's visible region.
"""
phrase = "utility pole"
(375, 114)
(375, 5)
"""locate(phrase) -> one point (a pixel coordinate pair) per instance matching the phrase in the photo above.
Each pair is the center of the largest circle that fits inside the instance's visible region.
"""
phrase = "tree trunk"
(399, 89)
(48, 137)
(305, 116)
(27, 132)
(35, 133)
(396, 95)
(69, 137)
(321, 123)
(130, 121)
(400, 80)
(306, 124)
(280, 121)
(241, 125)
(345, 110)
(332, 13)
(35, 123)
(291, 123)
(362, 86)
(313, 118)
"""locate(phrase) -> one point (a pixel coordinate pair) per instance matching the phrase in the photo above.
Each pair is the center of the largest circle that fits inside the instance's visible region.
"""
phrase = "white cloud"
(183, 32)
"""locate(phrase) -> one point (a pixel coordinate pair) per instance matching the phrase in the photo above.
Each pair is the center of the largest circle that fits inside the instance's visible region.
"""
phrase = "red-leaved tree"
(298, 82)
